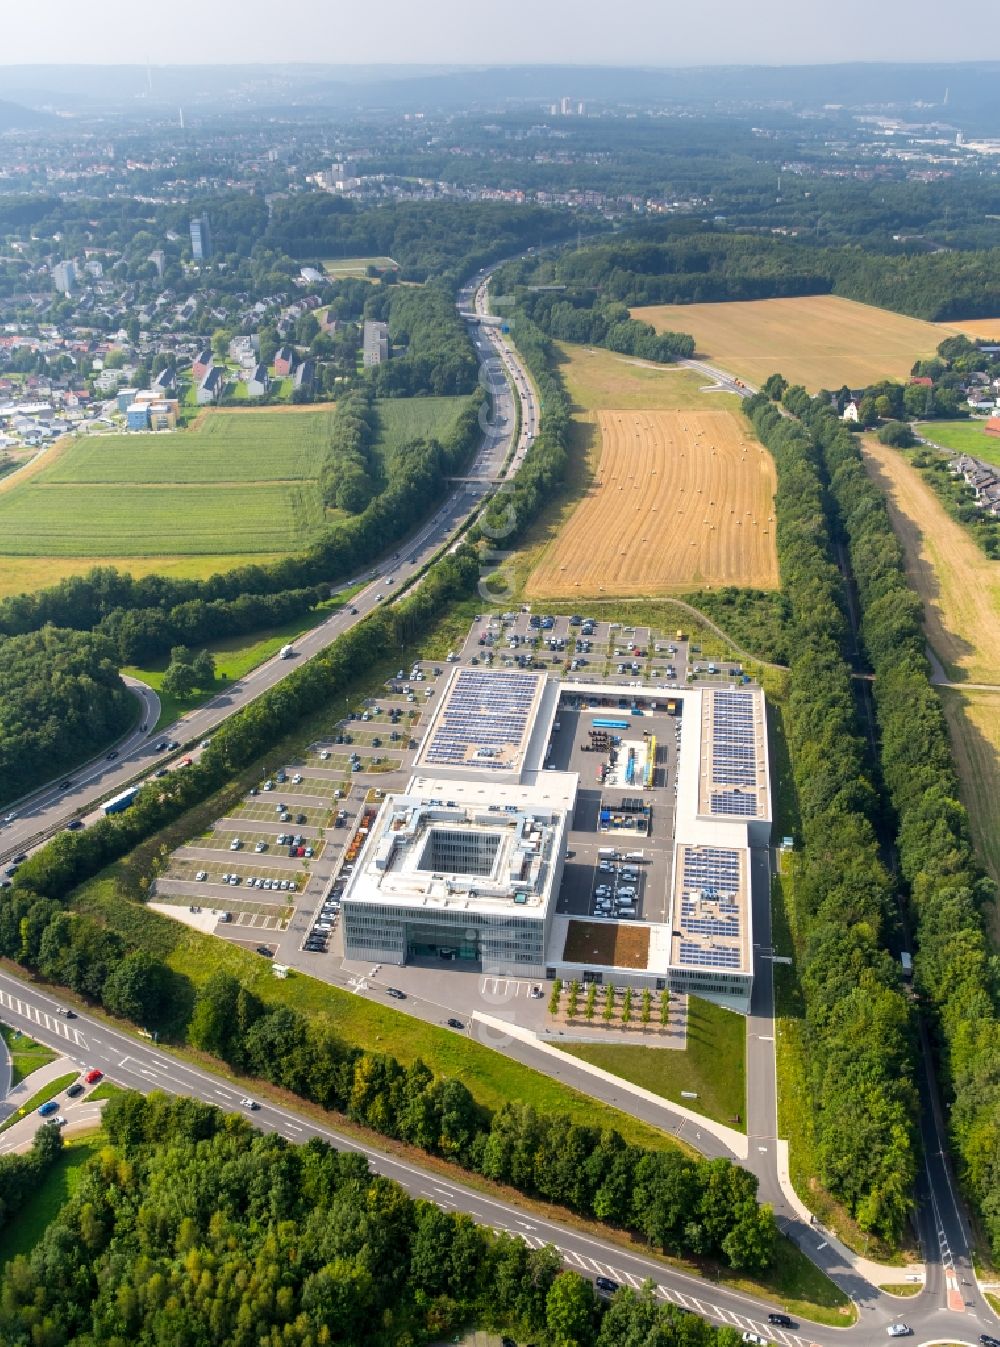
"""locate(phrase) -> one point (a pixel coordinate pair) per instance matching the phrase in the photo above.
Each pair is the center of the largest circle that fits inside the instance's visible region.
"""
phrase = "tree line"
(190, 1227)
(955, 970)
(857, 1028)
(146, 617)
(61, 700)
(22, 1174)
(583, 316)
(432, 353)
(660, 264)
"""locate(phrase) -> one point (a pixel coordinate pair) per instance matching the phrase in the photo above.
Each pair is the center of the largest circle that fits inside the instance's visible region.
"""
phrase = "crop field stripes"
(679, 499)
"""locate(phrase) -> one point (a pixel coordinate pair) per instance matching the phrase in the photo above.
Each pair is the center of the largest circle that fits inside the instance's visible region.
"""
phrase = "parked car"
(48, 1108)
(453, 1023)
(267, 953)
(74, 1090)
(74, 825)
(93, 1076)
(605, 1285)
(755, 1340)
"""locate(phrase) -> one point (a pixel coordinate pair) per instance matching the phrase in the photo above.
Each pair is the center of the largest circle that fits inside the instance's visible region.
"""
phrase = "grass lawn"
(23, 1231)
(405, 419)
(339, 267)
(106, 1090)
(966, 437)
(41, 1097)
(713, 1065)
(25, 1054)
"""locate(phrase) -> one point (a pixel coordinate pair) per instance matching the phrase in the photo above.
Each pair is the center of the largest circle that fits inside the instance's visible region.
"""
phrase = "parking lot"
(272, 866)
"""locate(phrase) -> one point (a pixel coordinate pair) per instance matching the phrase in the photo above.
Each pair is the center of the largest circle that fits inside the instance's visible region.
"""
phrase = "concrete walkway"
(735, 1141)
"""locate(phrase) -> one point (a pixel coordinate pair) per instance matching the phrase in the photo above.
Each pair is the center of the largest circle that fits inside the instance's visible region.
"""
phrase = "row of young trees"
(190, 1228)
(858, 1034)
(61, 699)
(955, 971)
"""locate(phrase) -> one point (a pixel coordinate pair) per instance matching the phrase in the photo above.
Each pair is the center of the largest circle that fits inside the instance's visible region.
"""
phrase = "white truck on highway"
(287, 651)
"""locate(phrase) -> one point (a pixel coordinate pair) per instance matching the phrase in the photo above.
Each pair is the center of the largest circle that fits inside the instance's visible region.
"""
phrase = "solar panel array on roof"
(734, 747)
(737, 803)
(483, 721)
(711, 881)
(707, 957)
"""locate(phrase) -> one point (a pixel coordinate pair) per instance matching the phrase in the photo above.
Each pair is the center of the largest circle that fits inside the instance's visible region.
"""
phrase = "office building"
(64, 277)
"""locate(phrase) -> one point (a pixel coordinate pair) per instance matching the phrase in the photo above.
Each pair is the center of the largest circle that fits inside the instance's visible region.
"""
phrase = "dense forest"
(858, 1035)
(61, 699)
(190, 1228)
(955, 971)
(687, 263)
(447, 240)
(431, 349)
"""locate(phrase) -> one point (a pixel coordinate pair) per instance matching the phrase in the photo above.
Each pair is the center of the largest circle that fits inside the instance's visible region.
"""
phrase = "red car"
(92, 1077)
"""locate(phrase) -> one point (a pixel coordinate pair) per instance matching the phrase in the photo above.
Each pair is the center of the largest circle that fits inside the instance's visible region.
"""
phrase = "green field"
(405, 419)
(966, 437)
(223, 447)
(248, 479)
(24, 1229)
(141, 520)
(25, 1054)
(339, 267)
(712, 1066)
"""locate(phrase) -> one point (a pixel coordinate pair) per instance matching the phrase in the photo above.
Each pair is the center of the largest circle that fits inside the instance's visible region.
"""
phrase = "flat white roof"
(470, 845)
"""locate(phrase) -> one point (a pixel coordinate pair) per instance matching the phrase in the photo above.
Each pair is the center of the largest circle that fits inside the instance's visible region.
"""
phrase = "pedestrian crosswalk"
(719, 1314)
(55, 1024)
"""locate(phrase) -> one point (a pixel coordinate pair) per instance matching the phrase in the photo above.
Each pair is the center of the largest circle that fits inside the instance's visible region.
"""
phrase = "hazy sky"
(618, 32)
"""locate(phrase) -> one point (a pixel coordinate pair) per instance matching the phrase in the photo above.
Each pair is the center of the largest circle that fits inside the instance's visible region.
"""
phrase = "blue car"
(50, 1106)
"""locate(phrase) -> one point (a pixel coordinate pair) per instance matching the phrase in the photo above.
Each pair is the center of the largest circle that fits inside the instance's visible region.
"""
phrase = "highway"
(53, 806)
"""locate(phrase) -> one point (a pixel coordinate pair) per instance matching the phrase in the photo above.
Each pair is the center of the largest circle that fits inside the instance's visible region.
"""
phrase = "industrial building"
(464, 867)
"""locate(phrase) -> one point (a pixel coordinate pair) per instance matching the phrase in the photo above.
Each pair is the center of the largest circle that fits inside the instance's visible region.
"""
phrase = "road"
(143, 1066)
(498, 457)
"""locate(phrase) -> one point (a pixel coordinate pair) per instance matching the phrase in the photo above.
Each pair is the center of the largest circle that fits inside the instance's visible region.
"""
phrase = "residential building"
(159, 260)
(258, 382)
(137, 416)
(201, 238)
(284, 362)
(376, 344)
(64, 277)
(212, 386)
(305, 376)
(202, 363)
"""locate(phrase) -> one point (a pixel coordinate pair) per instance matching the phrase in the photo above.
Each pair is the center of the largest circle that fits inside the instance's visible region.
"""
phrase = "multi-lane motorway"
(498, 456)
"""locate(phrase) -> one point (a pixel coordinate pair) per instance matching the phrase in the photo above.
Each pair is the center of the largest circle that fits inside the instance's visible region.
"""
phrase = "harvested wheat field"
(976, 329)
(974, 725)
(959, 586)
(820, 341)
(680, 500)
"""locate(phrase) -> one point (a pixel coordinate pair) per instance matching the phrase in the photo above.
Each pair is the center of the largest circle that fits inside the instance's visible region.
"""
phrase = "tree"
(627, 1006)
(179, 681)
(571, 1311)
(608, 1013)
(588, 1008)
(665, 1007)
(572, 1000)
(554, 996)
(774, 387)
(203, 668)
(647, 1006)
(137, 989)
(897, 434)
